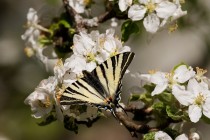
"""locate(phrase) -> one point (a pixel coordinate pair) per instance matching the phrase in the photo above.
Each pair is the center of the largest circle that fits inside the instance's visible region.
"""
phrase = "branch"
(132, 127)
(133, 109)
(82, 23)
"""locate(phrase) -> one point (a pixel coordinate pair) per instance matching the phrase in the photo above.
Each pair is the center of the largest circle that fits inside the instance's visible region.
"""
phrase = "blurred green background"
(19, 75)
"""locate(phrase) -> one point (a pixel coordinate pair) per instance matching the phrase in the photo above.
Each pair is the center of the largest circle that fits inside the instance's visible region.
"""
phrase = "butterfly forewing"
(110, 73)
(103, 82)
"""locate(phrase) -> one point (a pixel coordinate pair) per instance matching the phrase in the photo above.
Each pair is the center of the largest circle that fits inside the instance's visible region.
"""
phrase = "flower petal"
(136, 12)
(159, 88)
(194, 113)
(165, 9)
(183, 74)
(123, 4)
(206, 108)
(160, 135)
(182, 137)
(183, 96)
(151, 23)
(194, 87)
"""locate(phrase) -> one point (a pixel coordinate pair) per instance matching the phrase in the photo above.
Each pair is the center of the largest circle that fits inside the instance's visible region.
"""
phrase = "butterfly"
(101, 87)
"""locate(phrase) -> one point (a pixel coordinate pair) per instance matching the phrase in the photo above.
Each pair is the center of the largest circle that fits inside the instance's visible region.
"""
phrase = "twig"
(132, 127)
(133, 109)
(82, 23)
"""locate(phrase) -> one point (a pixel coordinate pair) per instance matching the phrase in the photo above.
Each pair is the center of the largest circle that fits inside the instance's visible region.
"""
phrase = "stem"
(133, 127)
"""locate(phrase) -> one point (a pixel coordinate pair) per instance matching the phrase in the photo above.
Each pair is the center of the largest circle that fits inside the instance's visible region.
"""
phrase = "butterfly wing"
(103, 82)
(111, 72)
(85, 90)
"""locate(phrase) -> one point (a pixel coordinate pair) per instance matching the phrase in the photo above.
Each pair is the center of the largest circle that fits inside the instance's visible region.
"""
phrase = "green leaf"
(149, 88)
(149, 136)
(166, 97)
(128, 27)
(174, 113)
(64, 23)
(171, 132)
(146, 98)
(134, 97)
(70, 124)
(159, 107)
(49, 119)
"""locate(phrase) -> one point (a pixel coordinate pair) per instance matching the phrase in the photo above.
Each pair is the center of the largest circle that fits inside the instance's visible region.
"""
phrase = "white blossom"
(156, 9)
(78, 5)
(124, 4)
(163, 80)
(31, 36)
(114, 23)
(41, 100)
(160, 135)
(196, 96)
(95, 47)
(110, 45)
(177, 14)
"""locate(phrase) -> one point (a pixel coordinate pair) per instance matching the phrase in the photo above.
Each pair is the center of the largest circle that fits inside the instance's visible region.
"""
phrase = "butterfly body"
(101, 87)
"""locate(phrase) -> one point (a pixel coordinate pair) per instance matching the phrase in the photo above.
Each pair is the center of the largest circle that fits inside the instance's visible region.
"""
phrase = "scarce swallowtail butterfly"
(102, 86)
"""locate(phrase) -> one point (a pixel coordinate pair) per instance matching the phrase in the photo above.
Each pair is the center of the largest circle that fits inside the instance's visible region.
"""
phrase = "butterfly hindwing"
(87, 89)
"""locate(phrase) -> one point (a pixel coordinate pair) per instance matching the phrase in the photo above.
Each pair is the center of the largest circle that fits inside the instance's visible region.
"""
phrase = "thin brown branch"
(134, 109)
(133, 127)
(82, 23)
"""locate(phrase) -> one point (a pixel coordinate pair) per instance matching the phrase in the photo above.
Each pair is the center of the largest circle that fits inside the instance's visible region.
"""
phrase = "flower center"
(199, 73)
(29, 51)
(90, 57)
(200, 99)
(45, 104)
(150, 7)
(87, 2)
(171, 81)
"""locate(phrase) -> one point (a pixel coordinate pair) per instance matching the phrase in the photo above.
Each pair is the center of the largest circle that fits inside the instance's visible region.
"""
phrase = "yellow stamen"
(29, 51)
(152, 71)
(200, 71)
(150, 7)
(90, 57)
(87, 2)
(173, 28)
(45, 104)
(200, 99)
(59, 63)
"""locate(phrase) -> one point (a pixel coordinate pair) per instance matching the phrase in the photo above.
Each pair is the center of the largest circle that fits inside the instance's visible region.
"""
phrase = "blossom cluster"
(155, 13)
(190, 88)
(89, 50)
(32, 36)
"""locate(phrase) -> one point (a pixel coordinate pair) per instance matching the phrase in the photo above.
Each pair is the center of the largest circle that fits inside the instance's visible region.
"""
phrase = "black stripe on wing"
(127, 58)
(94, 82)
(85, 90)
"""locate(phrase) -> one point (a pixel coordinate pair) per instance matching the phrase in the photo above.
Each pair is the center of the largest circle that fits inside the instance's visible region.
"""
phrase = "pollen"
(29, 51)
(150, 7)
(152, 71)
(87, 2)
(173, 28)
(200, 99)
(200, 72)
(59, 63)
(46, 103)
(170, 77)
(90, 57)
